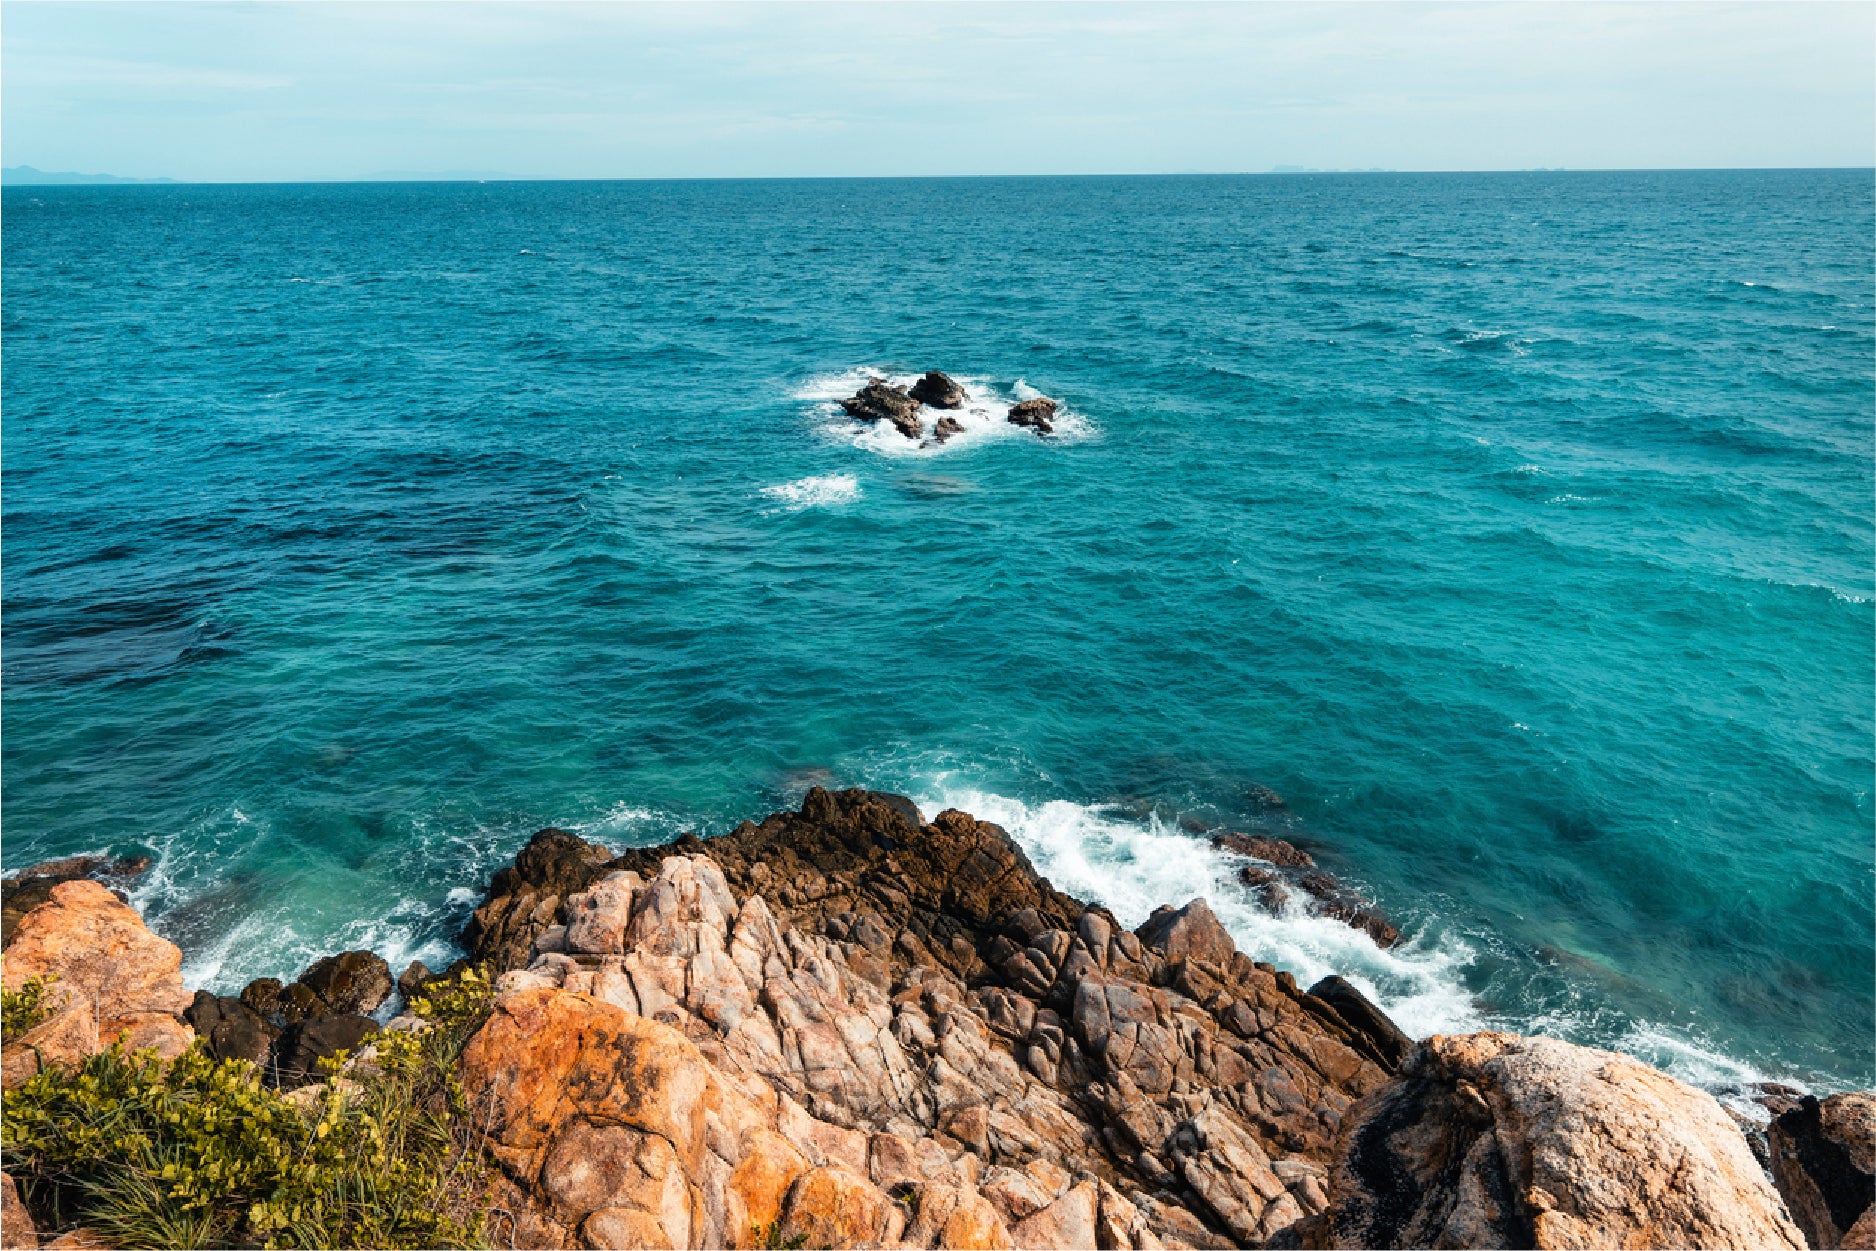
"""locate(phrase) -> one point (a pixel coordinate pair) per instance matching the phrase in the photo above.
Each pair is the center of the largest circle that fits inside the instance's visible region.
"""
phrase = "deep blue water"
(1517, 529)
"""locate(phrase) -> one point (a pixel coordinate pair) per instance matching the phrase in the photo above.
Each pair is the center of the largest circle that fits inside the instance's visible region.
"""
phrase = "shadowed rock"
(1823, 1158)
(939, 391)
(879, 400)
(1493, 1140)
(1037, 414)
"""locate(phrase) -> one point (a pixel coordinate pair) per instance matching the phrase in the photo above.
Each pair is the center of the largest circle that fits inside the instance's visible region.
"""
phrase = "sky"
(263, 92)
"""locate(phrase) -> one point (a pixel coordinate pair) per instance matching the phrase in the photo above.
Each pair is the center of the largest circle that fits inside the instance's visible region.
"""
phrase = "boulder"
(1037, 414)
(879, 400)
(1263, 847)
(938, 391)
(230, 1030)
(350, 982)
(103, 957)
(1495, 1140)
(1823, 1158)
(946, 427)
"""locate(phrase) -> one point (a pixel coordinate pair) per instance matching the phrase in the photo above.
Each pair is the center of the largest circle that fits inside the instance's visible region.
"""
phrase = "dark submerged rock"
(1037, 414)
(939, 391)
(879, 400)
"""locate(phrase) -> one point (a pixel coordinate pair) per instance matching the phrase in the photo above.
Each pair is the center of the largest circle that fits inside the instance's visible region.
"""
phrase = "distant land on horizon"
(28, 176)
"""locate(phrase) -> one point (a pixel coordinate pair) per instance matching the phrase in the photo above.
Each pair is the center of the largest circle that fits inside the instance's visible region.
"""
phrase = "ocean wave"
(824, 491)
(1133, 865)
(984, 416)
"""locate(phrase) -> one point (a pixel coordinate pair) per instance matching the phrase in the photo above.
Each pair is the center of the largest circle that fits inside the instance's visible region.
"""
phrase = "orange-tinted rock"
(833, 1207)
(105, 959)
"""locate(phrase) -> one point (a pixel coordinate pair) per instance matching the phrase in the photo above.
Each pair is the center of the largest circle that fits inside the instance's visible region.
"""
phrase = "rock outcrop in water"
(1279, 866)
(879, 400)
(846, 1027)
(939, 391)
(1037, 414)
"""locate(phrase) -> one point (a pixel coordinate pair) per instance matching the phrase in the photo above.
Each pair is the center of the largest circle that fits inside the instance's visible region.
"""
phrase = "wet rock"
(879, 401)
(1823, 1159)
(525, 898)
(939, 391)
(230, 1029)
(946, 427)
(103, 957)
(1037, 414)
(1333, 900)
(350, 982)
(1493, 1140)
(304, 1044)
(1262, 847)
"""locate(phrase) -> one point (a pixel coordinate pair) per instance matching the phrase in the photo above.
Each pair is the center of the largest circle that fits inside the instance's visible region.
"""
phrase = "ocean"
(1515, 530)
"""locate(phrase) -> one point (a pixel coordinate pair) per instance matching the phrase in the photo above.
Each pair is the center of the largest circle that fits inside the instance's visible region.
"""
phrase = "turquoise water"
(1516, 529)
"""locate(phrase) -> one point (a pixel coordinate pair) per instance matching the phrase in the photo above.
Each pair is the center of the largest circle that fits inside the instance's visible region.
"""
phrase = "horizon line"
(99, 181)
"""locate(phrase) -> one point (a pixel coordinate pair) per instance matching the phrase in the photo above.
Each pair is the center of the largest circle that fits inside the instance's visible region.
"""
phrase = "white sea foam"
(984, 416)
(825, 491)
(1132, 866)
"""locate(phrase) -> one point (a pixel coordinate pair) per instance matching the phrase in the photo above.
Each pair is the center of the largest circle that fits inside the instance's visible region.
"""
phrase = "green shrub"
(26, 1007)
(195, 1153)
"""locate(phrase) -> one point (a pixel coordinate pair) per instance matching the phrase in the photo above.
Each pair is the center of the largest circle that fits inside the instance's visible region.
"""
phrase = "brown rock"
(16, 1223)
(939, 391)
(1262, 847)
(1037, 414)
(1823, 1158)
(103, 957)
(946, 427)
(1377, 1036)
(350, 982)
(1066, 1224)
(832, 1207)
(31, 887)
(1493, 1140)
(879, 400)
(1192, 932)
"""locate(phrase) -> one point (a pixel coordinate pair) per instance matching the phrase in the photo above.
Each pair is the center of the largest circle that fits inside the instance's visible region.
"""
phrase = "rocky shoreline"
(845, 1026)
